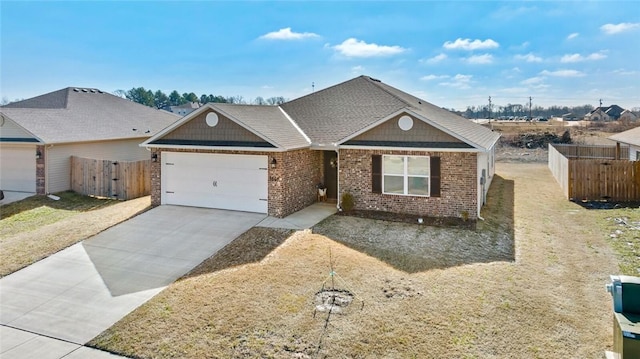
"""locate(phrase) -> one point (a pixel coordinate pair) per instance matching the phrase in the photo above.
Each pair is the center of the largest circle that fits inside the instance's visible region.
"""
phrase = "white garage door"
(235, 182)
(18, 168)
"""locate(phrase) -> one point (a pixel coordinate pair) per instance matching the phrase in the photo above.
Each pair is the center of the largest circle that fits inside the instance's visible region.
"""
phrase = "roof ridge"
(327, 88)
(379, 84)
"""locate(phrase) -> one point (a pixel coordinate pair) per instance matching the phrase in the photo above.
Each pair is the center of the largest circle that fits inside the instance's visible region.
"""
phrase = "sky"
(453, 54)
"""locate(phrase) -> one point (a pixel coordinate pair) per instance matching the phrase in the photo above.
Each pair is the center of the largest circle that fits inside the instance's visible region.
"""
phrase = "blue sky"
(451, 53)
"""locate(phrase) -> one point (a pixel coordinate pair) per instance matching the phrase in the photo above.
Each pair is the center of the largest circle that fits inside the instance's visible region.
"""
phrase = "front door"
(331, 173)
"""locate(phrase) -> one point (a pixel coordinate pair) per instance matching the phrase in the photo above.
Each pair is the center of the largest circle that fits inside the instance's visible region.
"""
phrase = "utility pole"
(600, 102)
(530, 108)
(489, 109)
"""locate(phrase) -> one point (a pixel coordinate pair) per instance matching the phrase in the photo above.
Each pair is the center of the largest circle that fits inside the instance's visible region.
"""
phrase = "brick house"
(392, 151)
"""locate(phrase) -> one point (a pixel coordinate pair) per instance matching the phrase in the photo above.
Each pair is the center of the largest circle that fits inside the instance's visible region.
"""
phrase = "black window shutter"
(376, 173)
(435, 176)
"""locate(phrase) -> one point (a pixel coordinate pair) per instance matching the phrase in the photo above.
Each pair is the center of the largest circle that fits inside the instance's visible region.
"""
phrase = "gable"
(404, 130)
(10, 131)
(225, 133)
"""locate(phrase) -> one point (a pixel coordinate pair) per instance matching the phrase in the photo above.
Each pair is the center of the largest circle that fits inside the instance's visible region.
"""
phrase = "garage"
(18, 168)
(224, 181)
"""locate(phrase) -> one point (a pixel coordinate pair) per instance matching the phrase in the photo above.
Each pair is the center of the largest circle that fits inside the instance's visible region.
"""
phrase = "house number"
(215, 183)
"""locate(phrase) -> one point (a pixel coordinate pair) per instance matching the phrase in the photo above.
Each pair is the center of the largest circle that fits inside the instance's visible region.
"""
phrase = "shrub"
(347, 202)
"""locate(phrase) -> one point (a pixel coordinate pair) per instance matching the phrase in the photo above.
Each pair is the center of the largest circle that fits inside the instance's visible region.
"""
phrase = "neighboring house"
(630, 138)
(392, 151)
(185, 109)
(611, 113)
(569, 117)
(39, 135)
(627, 115)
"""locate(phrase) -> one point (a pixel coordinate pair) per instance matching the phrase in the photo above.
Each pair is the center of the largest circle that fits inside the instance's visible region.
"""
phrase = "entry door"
(331, 173)
(224, 181)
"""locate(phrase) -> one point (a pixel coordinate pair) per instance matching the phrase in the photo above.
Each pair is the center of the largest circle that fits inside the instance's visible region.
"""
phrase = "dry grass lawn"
(255, 299)
(37, 227)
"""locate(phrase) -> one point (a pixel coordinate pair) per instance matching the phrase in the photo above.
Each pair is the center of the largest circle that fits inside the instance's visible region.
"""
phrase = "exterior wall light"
(154, 157)
(273, 163)
(38, 154)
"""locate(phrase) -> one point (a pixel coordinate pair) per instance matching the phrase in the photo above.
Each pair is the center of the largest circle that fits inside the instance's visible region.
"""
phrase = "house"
(390, 150)
(185, 109)
(39, 135)
(611, 113)
(628, 116)
(630, 138)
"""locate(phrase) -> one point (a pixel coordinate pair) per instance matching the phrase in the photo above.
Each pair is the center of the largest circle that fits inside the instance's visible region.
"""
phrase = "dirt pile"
(535, 139)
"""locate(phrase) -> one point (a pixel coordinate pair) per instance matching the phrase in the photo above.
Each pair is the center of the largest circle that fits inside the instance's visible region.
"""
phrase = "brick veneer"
(40, 170)
(458, 172)
(292, 183)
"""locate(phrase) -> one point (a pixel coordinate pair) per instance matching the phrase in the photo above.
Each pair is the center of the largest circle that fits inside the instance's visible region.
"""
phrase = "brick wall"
(291, 183)
(458, 185)
(40, 171)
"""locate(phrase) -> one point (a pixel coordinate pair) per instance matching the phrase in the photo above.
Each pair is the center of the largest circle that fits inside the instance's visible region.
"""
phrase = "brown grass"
(549, 303)
(35, 228)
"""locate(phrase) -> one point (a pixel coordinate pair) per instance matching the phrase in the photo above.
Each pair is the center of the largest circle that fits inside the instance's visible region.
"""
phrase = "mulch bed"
(446, 222)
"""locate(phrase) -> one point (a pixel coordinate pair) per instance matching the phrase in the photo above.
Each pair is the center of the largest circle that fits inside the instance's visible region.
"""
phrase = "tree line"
(159, 99)
(520, 110)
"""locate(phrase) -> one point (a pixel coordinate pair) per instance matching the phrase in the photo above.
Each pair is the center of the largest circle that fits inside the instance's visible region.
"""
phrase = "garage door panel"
(17, 169)
(235, 182)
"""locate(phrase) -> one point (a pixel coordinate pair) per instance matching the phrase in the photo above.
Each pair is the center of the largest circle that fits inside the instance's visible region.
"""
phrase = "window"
(406, 175)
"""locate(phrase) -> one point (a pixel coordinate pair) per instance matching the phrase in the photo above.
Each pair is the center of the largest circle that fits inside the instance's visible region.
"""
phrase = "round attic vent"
(212, 119)
(405, 123)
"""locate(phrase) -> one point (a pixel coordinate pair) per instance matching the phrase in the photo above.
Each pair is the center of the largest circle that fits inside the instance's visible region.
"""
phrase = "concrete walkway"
(303, 219)
(12, 196)
(53, 307)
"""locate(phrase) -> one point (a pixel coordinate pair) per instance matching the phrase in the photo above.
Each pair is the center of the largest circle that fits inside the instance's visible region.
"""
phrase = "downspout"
(338, 179)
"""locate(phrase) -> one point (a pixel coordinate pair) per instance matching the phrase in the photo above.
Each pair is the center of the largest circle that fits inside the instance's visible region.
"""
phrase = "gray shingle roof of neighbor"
(80, 114)
(335, 113)
(269, 122)
(631, 137)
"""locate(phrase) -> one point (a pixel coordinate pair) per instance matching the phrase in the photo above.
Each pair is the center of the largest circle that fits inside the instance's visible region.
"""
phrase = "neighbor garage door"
(18, 168)
(235, 182)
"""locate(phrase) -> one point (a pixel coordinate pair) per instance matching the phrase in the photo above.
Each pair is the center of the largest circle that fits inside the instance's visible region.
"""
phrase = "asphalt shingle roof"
(80, 114)
(268, 121)
(335, 113)
(631, 137)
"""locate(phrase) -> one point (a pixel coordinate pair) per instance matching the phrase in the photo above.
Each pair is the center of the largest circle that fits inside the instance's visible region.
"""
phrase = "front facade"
(38, 136)
(393, 153)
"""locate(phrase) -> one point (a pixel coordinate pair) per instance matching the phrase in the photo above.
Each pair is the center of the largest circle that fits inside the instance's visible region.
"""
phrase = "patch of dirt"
(448, 222)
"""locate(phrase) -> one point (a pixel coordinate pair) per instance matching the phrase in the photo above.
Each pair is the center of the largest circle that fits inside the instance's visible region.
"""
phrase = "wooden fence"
(595, 179)
(591, 151)
(114, 179)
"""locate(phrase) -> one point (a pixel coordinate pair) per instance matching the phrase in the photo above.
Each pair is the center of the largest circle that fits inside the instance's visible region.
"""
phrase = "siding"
(633, 153)
(58, 158)
(198, 130)
(420, 132)
(11, 130)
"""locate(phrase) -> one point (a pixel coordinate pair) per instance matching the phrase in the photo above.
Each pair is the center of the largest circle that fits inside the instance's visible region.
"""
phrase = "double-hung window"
(406, 175)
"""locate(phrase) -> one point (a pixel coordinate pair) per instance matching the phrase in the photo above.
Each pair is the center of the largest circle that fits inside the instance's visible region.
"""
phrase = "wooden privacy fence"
(114, 179)
(596, 179)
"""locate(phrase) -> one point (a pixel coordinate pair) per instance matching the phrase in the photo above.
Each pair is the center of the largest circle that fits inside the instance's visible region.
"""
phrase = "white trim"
(246, 127)
(386, 148)
(295, 125)
(176, 124)
(222, 148)
(40, 141)
(405, 176)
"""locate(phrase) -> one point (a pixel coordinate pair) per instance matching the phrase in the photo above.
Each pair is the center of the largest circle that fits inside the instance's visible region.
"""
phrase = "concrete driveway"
(75, 294)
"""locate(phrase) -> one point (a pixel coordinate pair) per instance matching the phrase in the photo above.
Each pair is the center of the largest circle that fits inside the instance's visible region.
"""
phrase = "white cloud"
(480, 59)
(356, 48)
(458, 81)
(569, 58)
(468, 44)
(529, 58)
(287, 34)
(611, 29)
(563, 73)
(435, 59)
(433, 77)
(625, 72)
(572, 36)
(532, 81)
(357, 69)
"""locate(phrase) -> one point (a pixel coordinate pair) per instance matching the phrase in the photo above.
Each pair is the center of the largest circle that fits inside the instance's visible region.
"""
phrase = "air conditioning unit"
(625, 292)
